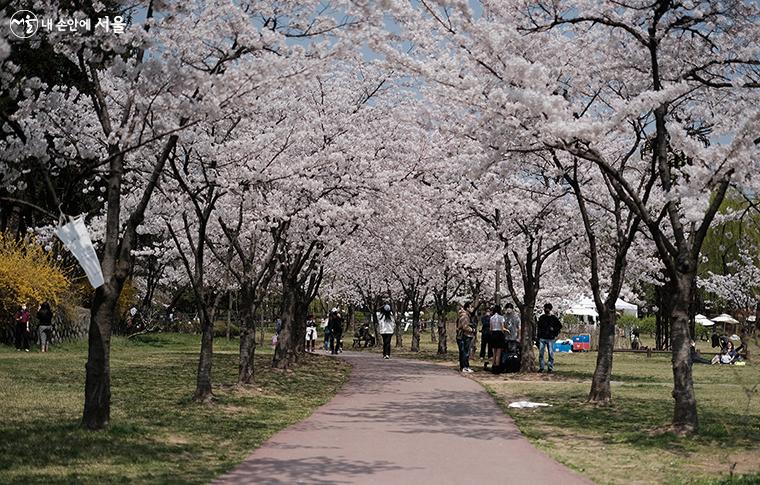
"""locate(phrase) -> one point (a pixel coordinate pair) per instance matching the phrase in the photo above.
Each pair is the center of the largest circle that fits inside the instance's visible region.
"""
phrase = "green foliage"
(569, 319)
(646, 325)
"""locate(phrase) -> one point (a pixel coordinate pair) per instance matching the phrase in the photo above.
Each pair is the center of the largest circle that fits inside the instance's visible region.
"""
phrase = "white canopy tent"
(703, 320)
(725, 318)
(585, 309)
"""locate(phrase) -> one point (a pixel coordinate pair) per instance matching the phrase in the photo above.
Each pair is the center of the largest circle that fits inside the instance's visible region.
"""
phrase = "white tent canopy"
(586, 309)
(725, 318)
(703, 320)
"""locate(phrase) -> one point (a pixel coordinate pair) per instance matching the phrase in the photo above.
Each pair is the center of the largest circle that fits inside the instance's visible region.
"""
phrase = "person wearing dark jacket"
(22, 329)
(45, 326)
(548, 329)
(335, 324)
(485, 336)
(465, 333)
(694, 355)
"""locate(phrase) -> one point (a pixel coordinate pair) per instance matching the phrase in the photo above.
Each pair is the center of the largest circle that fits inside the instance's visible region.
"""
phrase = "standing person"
(465, 333)
(497, 337)
(328, 334)
(311, 333)
(548, 329)
(485, 336)
(45, 327)
(386, 326)
(335, 324)
(22, 328)
(511, 322)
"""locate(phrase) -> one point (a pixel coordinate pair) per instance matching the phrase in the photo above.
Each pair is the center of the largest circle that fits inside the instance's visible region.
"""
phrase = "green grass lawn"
(157, 434)
(628, 441)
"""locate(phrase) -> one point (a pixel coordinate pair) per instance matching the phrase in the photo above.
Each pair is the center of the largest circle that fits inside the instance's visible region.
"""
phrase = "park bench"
(368, 341)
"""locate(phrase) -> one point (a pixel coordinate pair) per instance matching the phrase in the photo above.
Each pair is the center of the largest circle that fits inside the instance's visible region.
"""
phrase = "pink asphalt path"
(402, 421)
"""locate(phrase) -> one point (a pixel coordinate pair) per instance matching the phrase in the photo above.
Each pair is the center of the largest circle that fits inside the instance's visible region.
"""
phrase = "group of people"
(333, 336)
(500, 331)
(23, 328)
(333, 333)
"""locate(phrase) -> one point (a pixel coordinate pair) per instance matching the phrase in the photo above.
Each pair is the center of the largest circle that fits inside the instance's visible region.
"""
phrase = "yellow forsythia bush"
(29, 274)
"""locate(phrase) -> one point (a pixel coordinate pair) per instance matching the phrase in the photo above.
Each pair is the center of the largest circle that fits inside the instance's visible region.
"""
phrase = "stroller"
(510, 357)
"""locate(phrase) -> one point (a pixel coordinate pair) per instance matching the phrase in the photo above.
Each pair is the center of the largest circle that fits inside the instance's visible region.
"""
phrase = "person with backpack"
(45, 325)
(386, 326)
(464, 335)
(549, 327)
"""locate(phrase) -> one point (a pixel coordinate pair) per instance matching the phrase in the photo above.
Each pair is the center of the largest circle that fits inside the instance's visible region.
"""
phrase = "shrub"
(646, 325)
(30, 274)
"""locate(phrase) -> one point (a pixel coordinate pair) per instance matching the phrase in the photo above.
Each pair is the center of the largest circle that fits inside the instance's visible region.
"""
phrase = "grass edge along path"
(628, 442)
(157, 434)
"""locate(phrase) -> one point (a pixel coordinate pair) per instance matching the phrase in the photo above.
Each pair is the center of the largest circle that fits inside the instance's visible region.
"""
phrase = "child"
(311, 334)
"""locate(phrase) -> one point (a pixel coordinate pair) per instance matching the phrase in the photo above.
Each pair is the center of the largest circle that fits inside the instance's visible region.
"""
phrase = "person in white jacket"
(386, 326)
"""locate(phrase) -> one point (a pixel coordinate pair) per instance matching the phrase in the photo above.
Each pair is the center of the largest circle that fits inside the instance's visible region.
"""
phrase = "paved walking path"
(402, 421)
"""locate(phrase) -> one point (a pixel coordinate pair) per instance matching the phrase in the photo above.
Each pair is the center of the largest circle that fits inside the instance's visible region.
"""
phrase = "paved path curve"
(402, 421)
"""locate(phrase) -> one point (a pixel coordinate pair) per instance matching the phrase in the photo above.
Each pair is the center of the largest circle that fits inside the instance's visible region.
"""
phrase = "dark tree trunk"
(97, 403)
(600, 383)
(203, 392)
(399, 324)
(527, 334)
(663, 299)
(415, 327)
(443, 347)
(247, 341)
(284, 352)
(685, 409)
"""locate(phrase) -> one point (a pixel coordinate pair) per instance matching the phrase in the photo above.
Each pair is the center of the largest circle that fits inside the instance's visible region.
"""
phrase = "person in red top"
(22, 328)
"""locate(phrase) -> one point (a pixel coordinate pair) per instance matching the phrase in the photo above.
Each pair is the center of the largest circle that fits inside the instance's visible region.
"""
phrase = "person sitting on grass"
(694, 355)
(728, 356)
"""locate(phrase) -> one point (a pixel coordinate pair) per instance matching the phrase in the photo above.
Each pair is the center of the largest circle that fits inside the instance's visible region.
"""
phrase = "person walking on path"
(311, 334)
(45, 326)
(22, 329)
(386, 326)
(464, 335)
(548, 329)
(497, 337)
(335, 324)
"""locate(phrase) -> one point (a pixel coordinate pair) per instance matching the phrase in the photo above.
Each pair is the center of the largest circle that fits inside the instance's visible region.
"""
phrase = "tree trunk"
(600, 383)
(203, 392)
(284, 352)
(97, 389)
(685, 409)
(298, 325)
(442, 336)
(415, 327)
(663, 298)
(247, 341)
(527, 332)
(229, 314)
